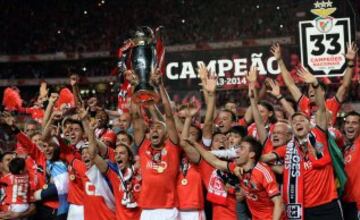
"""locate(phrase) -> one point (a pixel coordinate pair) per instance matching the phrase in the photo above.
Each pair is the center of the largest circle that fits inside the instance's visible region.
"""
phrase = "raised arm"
(138, 124)
(350, 56)
(192, 153)
(275, 91)
(289, 81)
(209, 157)
(260, 126)
(53, 98)
(209, 86)
(321, 117)
(169, 117)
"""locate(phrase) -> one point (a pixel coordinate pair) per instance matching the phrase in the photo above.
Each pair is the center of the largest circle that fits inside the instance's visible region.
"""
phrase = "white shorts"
(156, 214)
(18, 208)
(192, 215)
(76, 212)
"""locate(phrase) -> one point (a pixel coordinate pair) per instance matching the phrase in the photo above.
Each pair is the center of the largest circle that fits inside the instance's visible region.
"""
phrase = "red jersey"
(226, 211)
(352, 187)
(189, 186)
(133, 184)
(40, 160)
(76, 185)
(319, 181)
(332, 104)
(91, 198)
(252, 130)
(259, 186)
(17, 188)
(159, 171)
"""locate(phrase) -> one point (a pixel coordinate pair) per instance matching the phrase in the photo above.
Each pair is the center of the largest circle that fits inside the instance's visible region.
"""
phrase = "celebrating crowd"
(78, 160)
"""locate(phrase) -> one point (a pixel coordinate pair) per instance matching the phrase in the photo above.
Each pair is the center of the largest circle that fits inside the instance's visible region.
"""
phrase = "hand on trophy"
(131, 77)
(156, 78)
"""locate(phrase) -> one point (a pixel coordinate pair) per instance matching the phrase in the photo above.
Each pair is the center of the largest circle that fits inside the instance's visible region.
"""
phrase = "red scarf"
(216, 189)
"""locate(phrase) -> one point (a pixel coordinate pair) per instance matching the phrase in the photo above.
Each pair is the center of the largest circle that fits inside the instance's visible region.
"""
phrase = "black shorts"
(350, 211)
(328, 211)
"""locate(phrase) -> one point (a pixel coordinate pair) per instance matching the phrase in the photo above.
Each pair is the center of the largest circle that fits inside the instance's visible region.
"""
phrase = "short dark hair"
(352, 113)
(74, 121)
(233, 116)
(17, 165)
(256, 146)
(299, 113)
(127, 135)
(240, 130)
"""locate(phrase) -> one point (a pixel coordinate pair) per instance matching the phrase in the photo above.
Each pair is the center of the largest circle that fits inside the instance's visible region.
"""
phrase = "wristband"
(350, 63)
(280, 97)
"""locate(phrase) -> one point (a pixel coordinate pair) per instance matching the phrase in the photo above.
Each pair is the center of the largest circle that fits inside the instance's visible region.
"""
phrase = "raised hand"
(276, 51)
(210, 83)
(351, 52)
(252, 75)
(43, 90)
(305, 75)
(131, 77)
(203, 72)
(156, 78)
(190, 110)
(53, 97)
(274, 88)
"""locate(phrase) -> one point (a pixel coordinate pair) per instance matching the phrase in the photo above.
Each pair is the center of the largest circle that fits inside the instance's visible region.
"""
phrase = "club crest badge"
(323, 41)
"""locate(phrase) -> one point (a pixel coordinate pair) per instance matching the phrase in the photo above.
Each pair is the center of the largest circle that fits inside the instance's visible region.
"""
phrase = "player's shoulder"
(262, 172)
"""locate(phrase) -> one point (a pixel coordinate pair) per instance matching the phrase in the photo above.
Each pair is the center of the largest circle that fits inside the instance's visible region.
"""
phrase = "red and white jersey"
(133, 184)
(95, 206)
(17, 188)
(161, 176)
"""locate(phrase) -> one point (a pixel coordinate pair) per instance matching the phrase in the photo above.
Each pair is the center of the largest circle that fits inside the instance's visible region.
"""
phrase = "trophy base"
(145, 94)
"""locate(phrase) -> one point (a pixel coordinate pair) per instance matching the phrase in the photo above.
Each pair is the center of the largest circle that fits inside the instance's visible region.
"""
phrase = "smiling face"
(122, 156)
(157, 133)
(301, 126)
(49, 149)
(85, 157)
(102, 119)
(123, 139)
(352, 127)
(224, 121)
(280, 134)
(219, 142)
(311, 93)
(231, 107)
(76, 133)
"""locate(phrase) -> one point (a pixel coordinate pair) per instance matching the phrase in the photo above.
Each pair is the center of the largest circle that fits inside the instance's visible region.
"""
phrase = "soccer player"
(307, 104)
(257, 183)
(159, 160)
(308, 166)
(351, 198)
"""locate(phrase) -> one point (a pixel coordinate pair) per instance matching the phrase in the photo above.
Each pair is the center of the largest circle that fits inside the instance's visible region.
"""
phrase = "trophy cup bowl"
(143, 59)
